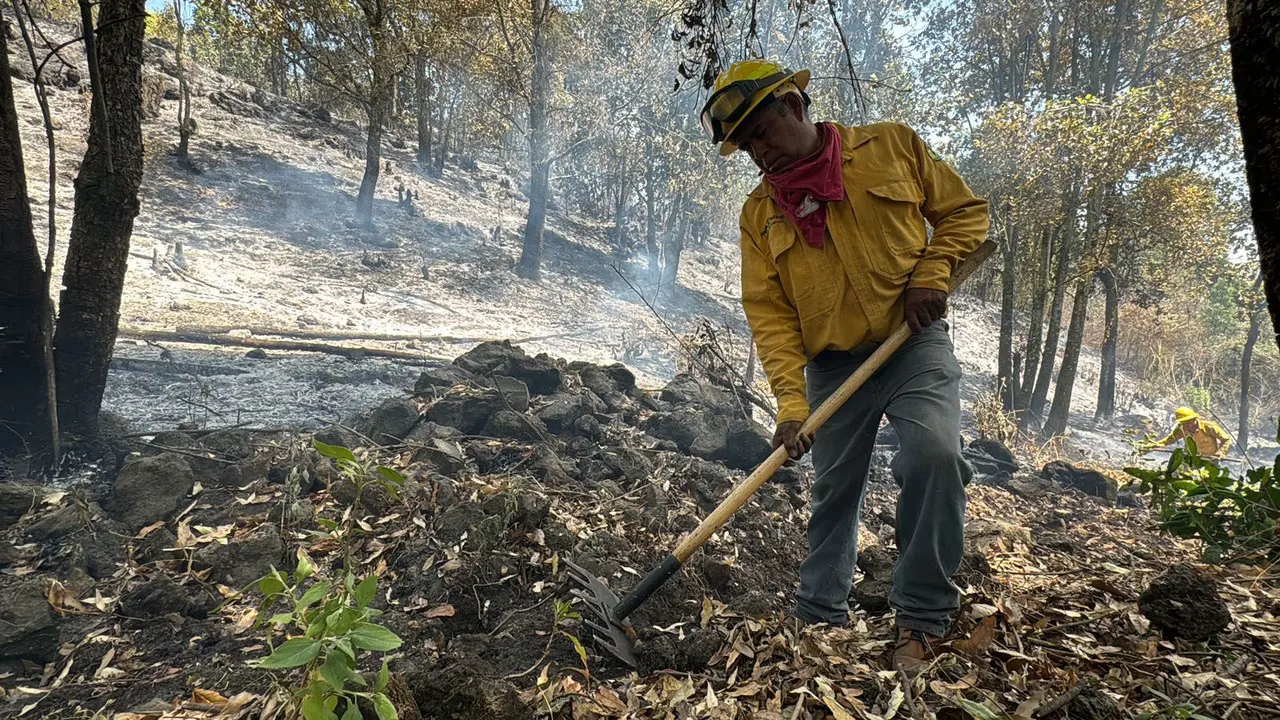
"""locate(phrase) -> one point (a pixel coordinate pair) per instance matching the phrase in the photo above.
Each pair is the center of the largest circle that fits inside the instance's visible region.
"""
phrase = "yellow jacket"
(1211, 439)
(800, 300)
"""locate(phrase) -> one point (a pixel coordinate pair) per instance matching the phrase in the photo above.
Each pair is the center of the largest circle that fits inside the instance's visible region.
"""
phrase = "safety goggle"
(731, 102)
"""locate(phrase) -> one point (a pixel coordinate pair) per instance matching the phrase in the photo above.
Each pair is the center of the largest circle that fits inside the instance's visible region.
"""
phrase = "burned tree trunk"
(539, 144)
(106, 202)
(23, 302)
(1255, 54)
(1246, 367)
(1036, 325)
(1061, 409)
(372, 161)
(421, 90)
(1111, 331)
(1004, 364)
(1050, 352)
(185, 125)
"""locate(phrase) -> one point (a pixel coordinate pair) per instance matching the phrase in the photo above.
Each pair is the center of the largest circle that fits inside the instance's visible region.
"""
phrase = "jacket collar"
(851, 138)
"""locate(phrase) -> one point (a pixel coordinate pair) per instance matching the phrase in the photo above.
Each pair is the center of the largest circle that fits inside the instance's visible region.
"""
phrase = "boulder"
(444, 455)
(872, 595)
(340, 436)
(516, 392)
(431, 381)
(390, 421)
(28, 627)
(630, 464)
(877, 562)
(514, 425)
(565, 410)
(688, 390)
(990, 457)
(1183, 602)
(58, 524)
(150, 489)
(467, 412)
(242, 560)
(161, 596)
(502, 358)
(589, 427)
(747, 444)
(1089, 482)
(16, 500)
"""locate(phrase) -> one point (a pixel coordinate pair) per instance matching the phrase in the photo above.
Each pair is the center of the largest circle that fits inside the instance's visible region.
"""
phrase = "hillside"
(268, 249)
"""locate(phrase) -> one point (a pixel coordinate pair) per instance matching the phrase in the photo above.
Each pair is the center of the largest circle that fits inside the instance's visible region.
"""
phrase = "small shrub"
(1237, 518)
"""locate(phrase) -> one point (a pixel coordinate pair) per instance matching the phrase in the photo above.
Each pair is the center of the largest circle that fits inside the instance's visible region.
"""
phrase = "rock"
(390, 421)
(16, 500)
(515, 392)
(718, 574)
(256, 354)
(510, 424)
(687, 390)
(241, 561)
(160, 596)
(695, 431)
(1127, 498)
(989, 457)
(1091, 704)
(628, 463)
(443, 455)
(974, 570)
(1184, 603)
(524, 510)
(8, 554)
(58, 524)
(150, 489)
(589, 427)
(341, 437)
(564, 411)
(455, 522)
(872, 595)
(28, 627)
(467, 412)
(747, 444)
(502, 358)
(1089, 482)
(877, 561)
(443, 378)
(549, 467)
(1030, 487)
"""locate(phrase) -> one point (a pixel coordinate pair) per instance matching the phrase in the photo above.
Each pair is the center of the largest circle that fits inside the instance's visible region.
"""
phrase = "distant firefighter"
(1211, 440)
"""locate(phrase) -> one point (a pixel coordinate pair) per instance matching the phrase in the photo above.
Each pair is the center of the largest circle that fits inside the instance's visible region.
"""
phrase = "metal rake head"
(617, 637)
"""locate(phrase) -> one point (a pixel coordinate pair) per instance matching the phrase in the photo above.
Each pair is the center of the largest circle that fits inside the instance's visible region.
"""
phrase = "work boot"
(911, 651)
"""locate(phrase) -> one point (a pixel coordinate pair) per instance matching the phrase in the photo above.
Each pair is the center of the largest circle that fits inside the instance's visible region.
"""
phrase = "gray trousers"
(919, 390)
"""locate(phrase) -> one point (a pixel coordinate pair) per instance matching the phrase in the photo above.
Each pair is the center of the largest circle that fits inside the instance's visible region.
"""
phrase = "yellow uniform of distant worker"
(1211, 440)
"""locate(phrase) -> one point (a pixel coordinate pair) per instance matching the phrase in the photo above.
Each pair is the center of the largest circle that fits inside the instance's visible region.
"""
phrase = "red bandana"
(804, 189)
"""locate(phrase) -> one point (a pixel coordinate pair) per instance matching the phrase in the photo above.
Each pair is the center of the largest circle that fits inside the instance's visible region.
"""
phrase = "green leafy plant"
(331, 622)
(333, 627)
(1236, 517)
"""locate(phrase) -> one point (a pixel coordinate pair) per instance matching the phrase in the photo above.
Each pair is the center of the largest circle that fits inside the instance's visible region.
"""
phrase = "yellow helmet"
(740, 89)
(1185, 414)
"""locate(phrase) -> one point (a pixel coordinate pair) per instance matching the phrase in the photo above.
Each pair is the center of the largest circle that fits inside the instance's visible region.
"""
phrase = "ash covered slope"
(513, 462)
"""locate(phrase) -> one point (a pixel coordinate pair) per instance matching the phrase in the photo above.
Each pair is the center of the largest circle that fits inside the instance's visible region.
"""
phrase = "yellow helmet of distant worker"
(1185, 414)
(741, 89)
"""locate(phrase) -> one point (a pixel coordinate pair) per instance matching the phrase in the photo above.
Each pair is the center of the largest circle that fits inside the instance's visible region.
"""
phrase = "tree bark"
(23, 302)
(1061, 409)
(421, 89)
(1255, 53)
(106, 202)
(372, 162)
(1111, 329)
(1036, 326)
(673, 244)
(1005, 370)
(650, 213)
(1050, 352)
(1246, 368)
(539, 140)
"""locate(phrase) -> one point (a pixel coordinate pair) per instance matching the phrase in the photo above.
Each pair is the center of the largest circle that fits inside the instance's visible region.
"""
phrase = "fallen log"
(168, 367)
(330, 334)
(352, 353)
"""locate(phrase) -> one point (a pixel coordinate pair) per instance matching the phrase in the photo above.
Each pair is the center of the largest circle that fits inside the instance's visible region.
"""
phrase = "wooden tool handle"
(748, 487)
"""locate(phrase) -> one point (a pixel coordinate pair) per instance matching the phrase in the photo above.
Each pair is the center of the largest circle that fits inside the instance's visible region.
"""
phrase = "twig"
(1082, 621)
(1061, 701)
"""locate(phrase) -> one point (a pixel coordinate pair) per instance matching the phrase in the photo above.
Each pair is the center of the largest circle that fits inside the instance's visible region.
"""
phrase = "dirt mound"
(140, 591)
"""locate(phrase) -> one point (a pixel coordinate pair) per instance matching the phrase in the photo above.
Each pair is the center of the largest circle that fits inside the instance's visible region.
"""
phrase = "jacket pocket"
(799, 278)
(902, 227)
